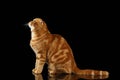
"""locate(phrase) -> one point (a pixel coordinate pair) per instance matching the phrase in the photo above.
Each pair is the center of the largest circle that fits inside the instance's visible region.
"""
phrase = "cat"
(54, 50)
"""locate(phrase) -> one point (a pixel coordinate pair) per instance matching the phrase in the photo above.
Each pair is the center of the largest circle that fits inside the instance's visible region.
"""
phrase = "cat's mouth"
(31, 26)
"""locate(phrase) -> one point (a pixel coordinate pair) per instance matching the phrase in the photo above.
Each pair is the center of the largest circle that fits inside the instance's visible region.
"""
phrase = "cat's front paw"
(35, 71)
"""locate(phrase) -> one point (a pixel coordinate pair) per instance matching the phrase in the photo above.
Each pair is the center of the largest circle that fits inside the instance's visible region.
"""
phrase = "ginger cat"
(54, 50)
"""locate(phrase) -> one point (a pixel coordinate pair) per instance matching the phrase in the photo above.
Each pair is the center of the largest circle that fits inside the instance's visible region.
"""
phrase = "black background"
(89, 29)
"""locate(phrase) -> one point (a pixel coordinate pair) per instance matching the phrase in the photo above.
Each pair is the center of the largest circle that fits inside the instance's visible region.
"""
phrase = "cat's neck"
(38, 34)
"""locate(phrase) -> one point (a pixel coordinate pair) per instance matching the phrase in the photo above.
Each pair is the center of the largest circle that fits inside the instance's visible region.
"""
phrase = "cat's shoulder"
(57, 35)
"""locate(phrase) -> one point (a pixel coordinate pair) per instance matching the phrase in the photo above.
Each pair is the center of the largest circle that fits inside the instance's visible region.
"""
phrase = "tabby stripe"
(92, 73)
(61, 60)
(100, 72)
(63, 54)
(61, 43)
(56, 58)
(56, 45)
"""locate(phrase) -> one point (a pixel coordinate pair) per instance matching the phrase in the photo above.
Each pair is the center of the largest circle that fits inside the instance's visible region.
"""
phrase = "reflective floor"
(69, 77)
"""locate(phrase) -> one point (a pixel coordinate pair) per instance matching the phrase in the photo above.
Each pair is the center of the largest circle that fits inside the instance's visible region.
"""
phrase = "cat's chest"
(39, 44)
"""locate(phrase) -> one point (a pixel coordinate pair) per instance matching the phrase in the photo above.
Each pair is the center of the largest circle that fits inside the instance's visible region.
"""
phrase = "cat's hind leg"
(51, 69)
(67, 67)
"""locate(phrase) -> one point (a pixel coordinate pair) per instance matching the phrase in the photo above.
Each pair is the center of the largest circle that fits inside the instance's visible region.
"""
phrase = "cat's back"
(58, 38)
(58, 42)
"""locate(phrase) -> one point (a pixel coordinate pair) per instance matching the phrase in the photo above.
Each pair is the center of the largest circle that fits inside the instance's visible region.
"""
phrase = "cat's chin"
(31, 27)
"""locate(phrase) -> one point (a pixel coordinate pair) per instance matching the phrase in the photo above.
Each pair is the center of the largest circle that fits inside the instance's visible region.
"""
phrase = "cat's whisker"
(26, 24)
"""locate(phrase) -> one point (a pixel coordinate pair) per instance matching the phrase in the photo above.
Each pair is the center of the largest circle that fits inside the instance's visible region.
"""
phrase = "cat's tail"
(90, 72)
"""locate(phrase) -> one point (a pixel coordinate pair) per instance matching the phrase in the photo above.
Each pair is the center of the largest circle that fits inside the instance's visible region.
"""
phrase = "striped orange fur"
(54, 50)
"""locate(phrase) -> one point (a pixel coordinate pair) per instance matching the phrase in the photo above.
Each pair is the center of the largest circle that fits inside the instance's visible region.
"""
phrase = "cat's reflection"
(69, 77)
(38, 77)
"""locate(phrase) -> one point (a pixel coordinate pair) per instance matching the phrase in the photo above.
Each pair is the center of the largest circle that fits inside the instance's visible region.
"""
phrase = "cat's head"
(37, 24)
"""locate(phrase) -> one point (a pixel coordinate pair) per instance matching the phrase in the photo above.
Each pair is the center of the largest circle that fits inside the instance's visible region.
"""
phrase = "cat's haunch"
(54, 50)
